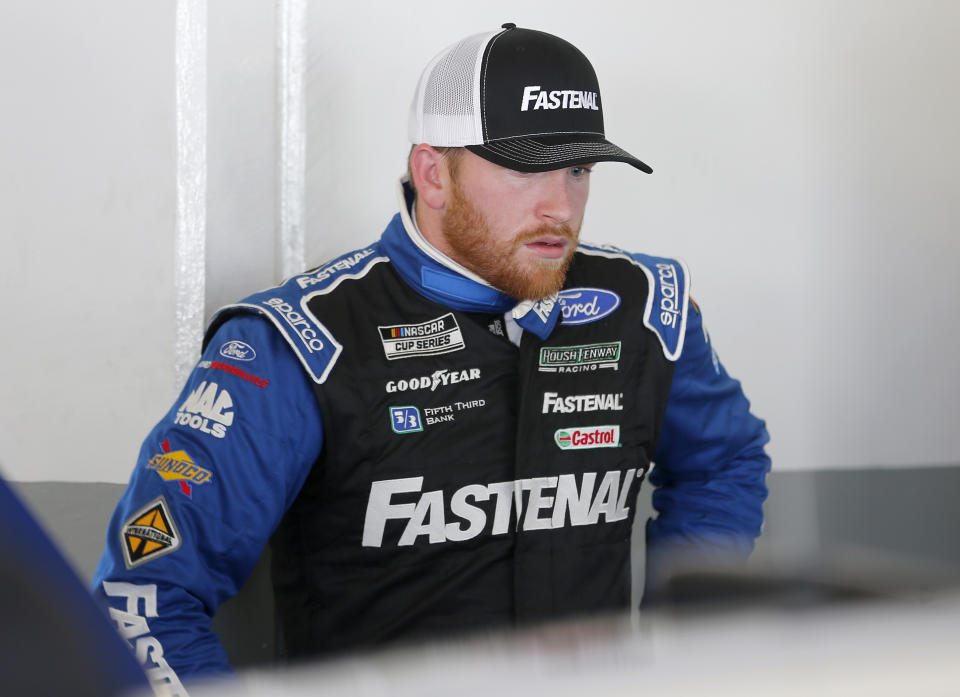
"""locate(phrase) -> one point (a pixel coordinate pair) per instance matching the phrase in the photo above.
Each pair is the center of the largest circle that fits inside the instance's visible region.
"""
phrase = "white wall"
(802, 152)
(87, 203)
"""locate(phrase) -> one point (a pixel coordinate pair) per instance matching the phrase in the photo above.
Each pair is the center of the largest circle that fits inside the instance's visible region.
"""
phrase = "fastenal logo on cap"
(520, 98)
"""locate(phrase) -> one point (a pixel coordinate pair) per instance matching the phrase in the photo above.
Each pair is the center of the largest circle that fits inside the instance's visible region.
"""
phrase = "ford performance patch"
(238, 350)
(430, 338)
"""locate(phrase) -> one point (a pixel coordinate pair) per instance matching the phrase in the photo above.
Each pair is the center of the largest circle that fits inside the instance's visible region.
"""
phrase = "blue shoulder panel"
(286, 306)
(666, 310)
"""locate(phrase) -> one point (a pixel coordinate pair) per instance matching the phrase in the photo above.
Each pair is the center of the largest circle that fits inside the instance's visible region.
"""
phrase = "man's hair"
(451, 155)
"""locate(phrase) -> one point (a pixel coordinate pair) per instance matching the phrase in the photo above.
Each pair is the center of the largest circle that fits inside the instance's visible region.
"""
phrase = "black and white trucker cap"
(520, 98)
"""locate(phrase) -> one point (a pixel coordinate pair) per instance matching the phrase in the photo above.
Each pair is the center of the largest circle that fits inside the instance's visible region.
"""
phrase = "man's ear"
(430, 175)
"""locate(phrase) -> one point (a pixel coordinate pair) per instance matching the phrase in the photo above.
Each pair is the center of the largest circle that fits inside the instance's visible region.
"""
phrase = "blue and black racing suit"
(426, 455)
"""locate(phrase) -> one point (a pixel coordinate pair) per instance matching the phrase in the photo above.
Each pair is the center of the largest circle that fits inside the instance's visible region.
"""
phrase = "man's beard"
(501, 264)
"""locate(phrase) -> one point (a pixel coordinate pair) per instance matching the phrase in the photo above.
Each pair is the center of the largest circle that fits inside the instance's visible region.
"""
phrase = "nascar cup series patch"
(435, 336)
(149, 533)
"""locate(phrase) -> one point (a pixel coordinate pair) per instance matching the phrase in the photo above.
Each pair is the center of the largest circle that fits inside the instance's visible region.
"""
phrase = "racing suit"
(428, 455)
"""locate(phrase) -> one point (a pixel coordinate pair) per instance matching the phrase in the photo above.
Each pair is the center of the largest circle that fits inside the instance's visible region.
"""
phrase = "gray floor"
(884, 529)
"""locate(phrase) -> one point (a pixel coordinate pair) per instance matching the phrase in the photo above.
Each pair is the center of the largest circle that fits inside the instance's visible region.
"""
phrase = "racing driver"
(444, 430)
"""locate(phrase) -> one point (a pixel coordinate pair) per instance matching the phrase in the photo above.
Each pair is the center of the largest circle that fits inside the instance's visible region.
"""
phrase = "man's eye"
(580, 171)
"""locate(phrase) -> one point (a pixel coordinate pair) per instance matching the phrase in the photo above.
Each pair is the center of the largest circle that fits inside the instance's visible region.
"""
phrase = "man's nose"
(554, 205)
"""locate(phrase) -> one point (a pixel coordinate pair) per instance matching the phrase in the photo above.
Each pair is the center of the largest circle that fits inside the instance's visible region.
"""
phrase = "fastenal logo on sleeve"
(584, 437)
(579, 359)
(435, 336)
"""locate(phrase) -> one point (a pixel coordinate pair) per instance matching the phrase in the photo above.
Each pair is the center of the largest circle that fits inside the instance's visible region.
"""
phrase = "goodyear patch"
(149, 533)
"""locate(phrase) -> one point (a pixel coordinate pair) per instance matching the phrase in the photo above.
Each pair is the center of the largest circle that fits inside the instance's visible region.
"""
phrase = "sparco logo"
(542, 503)
(584, 437)
(585, 305)
(435, 336)
(297, 322)
(207, 410)
(557, 99)
(238, 350)
(432, 382)
(579, 359)
(554, 403)
(669, 302)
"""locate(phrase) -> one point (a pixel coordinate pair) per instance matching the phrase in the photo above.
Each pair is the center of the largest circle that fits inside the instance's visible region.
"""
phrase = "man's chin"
(536, 280)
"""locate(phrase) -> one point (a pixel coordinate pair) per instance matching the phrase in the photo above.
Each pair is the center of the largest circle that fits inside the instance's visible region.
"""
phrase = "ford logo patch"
(585, 305)
(238, 351)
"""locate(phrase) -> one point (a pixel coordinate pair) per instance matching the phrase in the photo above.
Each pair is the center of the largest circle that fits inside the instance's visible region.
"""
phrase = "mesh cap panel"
(446, 109)
(457, 72)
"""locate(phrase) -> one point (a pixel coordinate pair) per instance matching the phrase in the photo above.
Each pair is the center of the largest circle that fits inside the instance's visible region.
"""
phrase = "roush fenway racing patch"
(149, 533)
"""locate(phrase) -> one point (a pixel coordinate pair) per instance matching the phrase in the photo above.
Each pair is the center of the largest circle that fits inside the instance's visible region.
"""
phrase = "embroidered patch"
(178, 466)
(585, 305)
(579, 359)
(149, 533)
(405, 419)
(238, 351)
(583, 437)
(430, 338)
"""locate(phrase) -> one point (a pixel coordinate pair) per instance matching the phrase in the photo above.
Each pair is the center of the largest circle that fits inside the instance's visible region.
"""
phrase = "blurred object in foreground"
(874, 648)
(692, 587)
(54, 640)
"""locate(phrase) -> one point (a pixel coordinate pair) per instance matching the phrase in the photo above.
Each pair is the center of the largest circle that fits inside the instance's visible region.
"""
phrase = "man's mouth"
(548, 247)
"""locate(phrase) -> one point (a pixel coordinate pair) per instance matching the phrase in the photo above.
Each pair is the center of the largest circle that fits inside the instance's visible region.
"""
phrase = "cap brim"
(553, 152)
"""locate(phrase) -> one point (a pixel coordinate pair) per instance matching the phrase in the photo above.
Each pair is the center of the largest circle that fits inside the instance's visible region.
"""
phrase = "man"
(446, 430)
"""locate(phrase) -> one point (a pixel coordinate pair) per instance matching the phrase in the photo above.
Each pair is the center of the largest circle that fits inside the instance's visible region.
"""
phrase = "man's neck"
(430, 223)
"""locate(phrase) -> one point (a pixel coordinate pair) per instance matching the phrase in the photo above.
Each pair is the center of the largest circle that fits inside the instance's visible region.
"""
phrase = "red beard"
(501, 264)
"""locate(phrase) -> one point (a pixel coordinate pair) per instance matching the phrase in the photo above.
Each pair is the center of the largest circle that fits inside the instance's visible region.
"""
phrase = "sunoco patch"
(149, 533)
(430, 338)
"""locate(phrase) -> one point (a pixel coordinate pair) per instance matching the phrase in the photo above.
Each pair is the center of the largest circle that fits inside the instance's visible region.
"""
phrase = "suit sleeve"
(210, 485)
(710, 465)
